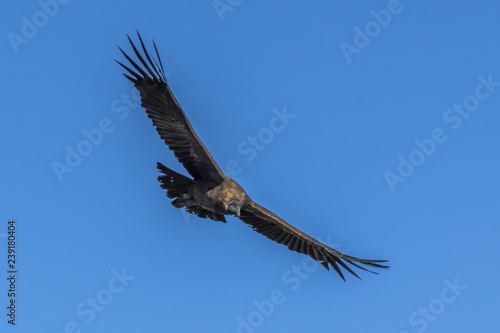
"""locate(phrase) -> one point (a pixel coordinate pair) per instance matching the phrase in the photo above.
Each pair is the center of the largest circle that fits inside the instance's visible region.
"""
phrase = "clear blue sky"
(390, 150)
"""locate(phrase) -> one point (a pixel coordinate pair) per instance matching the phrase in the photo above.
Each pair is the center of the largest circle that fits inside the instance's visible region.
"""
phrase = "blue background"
(355, 115)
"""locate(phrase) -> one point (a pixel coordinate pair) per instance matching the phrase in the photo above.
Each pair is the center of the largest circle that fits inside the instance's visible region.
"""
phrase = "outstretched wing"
(168, 117)
(273, 227)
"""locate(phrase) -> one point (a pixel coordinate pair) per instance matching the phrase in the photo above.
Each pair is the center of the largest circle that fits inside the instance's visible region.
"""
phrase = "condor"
(209, 193)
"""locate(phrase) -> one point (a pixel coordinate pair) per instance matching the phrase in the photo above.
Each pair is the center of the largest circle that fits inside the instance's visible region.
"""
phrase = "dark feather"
(267, 223)
(167, 115)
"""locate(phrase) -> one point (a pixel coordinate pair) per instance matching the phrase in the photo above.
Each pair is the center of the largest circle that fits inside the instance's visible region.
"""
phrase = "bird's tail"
(178, 187)
(175, 183)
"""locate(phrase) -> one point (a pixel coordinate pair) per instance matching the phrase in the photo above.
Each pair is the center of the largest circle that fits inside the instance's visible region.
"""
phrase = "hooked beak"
(234, 208)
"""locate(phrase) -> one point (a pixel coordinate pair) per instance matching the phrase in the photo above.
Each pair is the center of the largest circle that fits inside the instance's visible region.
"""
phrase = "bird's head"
(234, 207)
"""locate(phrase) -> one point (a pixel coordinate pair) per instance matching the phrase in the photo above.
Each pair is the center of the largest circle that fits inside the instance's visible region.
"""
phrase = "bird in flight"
(209, 192)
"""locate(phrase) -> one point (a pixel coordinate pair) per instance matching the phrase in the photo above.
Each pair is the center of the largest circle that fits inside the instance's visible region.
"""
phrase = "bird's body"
(210, 193)
(203, 197)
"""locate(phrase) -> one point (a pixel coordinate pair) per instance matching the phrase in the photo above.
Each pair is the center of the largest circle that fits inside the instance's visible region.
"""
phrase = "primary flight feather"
(210, 193)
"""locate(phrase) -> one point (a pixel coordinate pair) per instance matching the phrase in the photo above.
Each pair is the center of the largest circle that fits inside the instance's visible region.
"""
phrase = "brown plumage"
(210, 193)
